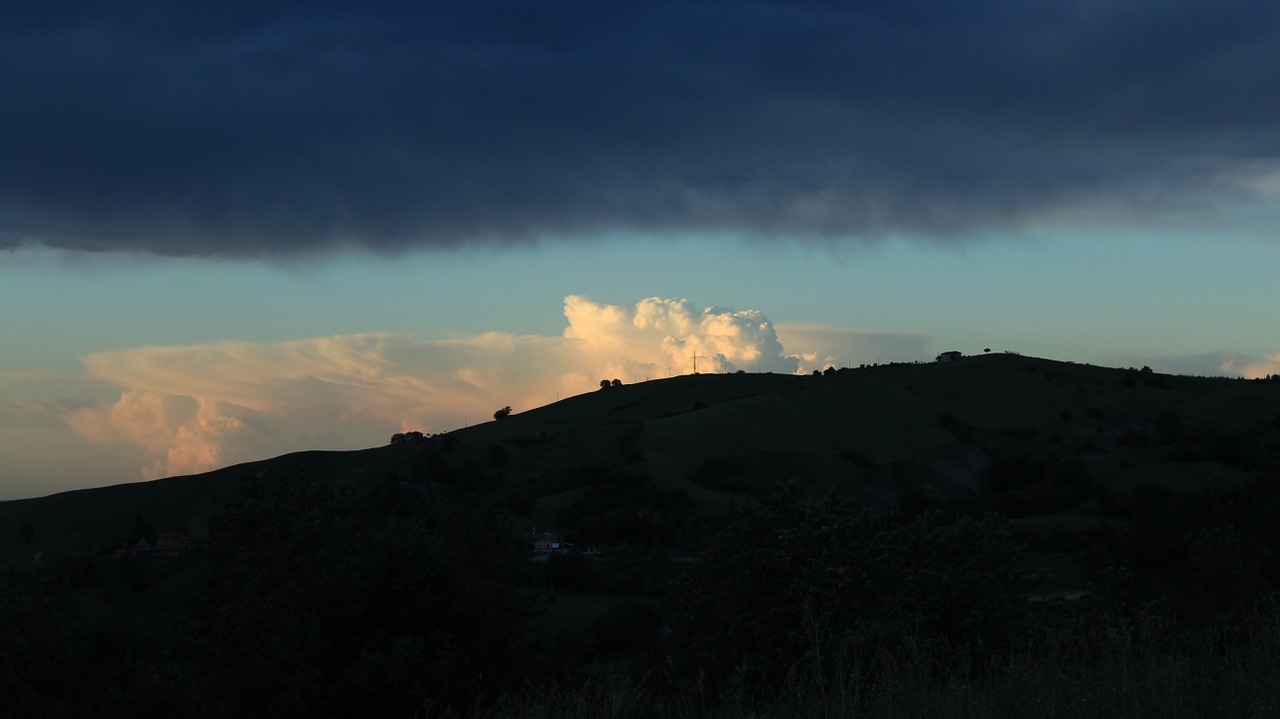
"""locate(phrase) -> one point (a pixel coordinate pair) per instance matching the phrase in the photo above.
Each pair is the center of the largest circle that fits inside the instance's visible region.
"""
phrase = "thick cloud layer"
(259, 128)
(198, 407)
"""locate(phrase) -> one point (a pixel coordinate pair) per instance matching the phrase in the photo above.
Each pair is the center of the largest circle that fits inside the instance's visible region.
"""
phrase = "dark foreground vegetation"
(1055, 541)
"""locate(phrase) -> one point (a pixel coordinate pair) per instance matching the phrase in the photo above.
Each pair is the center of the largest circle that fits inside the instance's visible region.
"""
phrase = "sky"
(233, 230)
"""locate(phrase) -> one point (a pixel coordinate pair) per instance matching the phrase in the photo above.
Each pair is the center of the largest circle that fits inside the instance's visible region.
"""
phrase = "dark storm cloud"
(260, 128)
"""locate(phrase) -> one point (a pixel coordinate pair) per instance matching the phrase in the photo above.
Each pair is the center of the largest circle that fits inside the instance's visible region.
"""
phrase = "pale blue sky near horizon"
(1098, 298)
(1176, 303)
(208, 255)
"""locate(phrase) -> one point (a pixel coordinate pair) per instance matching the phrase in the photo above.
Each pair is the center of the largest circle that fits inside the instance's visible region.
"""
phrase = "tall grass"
(1124, 668)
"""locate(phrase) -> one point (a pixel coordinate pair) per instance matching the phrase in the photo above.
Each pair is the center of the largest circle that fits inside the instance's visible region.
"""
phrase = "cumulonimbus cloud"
(197, 407)
(1256, 369)
(271, 128)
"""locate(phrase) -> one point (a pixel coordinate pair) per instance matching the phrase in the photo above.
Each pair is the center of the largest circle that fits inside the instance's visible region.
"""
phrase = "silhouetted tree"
(502, 413)
(604, 384)
(617, 383)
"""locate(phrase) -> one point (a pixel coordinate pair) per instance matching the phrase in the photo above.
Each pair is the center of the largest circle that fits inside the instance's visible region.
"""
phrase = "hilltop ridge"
(930, 431)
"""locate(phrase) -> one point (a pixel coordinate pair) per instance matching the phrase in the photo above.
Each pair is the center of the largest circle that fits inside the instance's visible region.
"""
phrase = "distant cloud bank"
(277, 128)
(198, 407)
(1213, 364)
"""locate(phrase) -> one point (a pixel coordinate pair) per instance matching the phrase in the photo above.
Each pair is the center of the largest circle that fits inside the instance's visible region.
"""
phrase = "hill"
(973, 517)
(929, 433)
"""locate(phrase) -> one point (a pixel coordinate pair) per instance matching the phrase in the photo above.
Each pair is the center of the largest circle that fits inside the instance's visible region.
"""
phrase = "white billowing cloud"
(658, 337)
(198, 407)
(183, 434)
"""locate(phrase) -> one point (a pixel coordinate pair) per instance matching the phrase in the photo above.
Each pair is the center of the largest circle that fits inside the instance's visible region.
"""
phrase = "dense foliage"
(782, 581)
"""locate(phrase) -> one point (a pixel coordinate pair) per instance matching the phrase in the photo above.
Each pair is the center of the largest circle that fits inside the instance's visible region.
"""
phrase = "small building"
(545, 543)
(950, 356)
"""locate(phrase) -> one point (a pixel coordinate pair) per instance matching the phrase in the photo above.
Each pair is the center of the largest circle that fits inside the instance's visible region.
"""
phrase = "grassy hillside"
(870, 433)
(973, 518)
